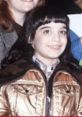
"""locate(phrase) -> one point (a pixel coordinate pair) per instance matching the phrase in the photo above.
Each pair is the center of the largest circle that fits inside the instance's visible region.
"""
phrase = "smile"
(54, 46)
(27, 0)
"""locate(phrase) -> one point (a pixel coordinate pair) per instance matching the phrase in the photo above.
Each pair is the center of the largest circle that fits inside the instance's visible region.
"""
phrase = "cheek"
(36, 44)
(64, 42)
(39, 40)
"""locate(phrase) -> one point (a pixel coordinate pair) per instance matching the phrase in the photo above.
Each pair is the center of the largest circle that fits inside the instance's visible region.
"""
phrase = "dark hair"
(41, 16)
(44, 15)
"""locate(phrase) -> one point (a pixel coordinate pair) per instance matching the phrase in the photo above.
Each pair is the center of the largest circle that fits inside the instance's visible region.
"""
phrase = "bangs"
(43, 15)
(48, 19)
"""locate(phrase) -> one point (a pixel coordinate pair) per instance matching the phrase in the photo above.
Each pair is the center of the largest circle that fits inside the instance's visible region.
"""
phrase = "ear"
(30, 41)
(33, 44)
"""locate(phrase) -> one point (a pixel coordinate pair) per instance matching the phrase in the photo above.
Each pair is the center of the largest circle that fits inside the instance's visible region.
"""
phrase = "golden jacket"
(28, 95)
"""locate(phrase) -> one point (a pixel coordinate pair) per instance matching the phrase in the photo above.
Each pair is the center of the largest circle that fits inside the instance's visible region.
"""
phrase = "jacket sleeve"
(4, 108)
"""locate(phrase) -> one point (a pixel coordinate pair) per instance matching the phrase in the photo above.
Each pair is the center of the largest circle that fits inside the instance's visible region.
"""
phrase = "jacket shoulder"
(73, 69)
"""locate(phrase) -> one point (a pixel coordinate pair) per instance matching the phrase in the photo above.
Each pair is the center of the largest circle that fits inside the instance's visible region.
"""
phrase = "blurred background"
(67, 5)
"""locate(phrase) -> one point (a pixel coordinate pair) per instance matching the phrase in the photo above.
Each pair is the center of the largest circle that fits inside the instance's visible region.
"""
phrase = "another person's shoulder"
(1, 30)
(8, 37)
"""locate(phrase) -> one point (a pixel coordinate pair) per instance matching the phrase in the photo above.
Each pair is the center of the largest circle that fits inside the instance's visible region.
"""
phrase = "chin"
(54, 57)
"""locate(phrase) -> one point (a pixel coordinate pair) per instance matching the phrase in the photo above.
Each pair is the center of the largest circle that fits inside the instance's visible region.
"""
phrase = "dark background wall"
(67, 5)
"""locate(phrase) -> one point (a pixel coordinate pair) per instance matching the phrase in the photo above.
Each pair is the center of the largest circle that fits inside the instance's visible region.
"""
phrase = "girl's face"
(22, 5)
(50, 41)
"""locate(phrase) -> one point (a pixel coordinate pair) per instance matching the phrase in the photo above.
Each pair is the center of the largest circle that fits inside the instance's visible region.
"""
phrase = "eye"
(63, 32)
(47, 31)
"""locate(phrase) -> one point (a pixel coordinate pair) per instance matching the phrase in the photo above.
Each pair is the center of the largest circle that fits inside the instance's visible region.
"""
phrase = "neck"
(18, 17)
(47, 61)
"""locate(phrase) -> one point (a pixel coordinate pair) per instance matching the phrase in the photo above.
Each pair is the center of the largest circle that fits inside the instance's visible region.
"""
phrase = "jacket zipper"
(47, 103)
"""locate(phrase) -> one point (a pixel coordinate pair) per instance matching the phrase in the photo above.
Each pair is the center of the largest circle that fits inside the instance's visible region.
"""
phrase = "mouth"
(27, 0)
(54, 47)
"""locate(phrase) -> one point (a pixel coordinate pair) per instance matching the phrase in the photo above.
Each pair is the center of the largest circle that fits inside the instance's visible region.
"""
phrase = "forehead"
(52, 25)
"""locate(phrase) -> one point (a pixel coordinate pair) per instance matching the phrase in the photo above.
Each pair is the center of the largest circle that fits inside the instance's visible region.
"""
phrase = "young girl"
(12, 17)
(50, 84)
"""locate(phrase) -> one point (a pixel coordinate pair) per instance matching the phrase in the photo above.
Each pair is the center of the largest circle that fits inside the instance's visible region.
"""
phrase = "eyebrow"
(44, 27)
(64, 27)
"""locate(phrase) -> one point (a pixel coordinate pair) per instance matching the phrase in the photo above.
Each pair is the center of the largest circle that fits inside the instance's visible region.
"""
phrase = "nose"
(56, 37)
